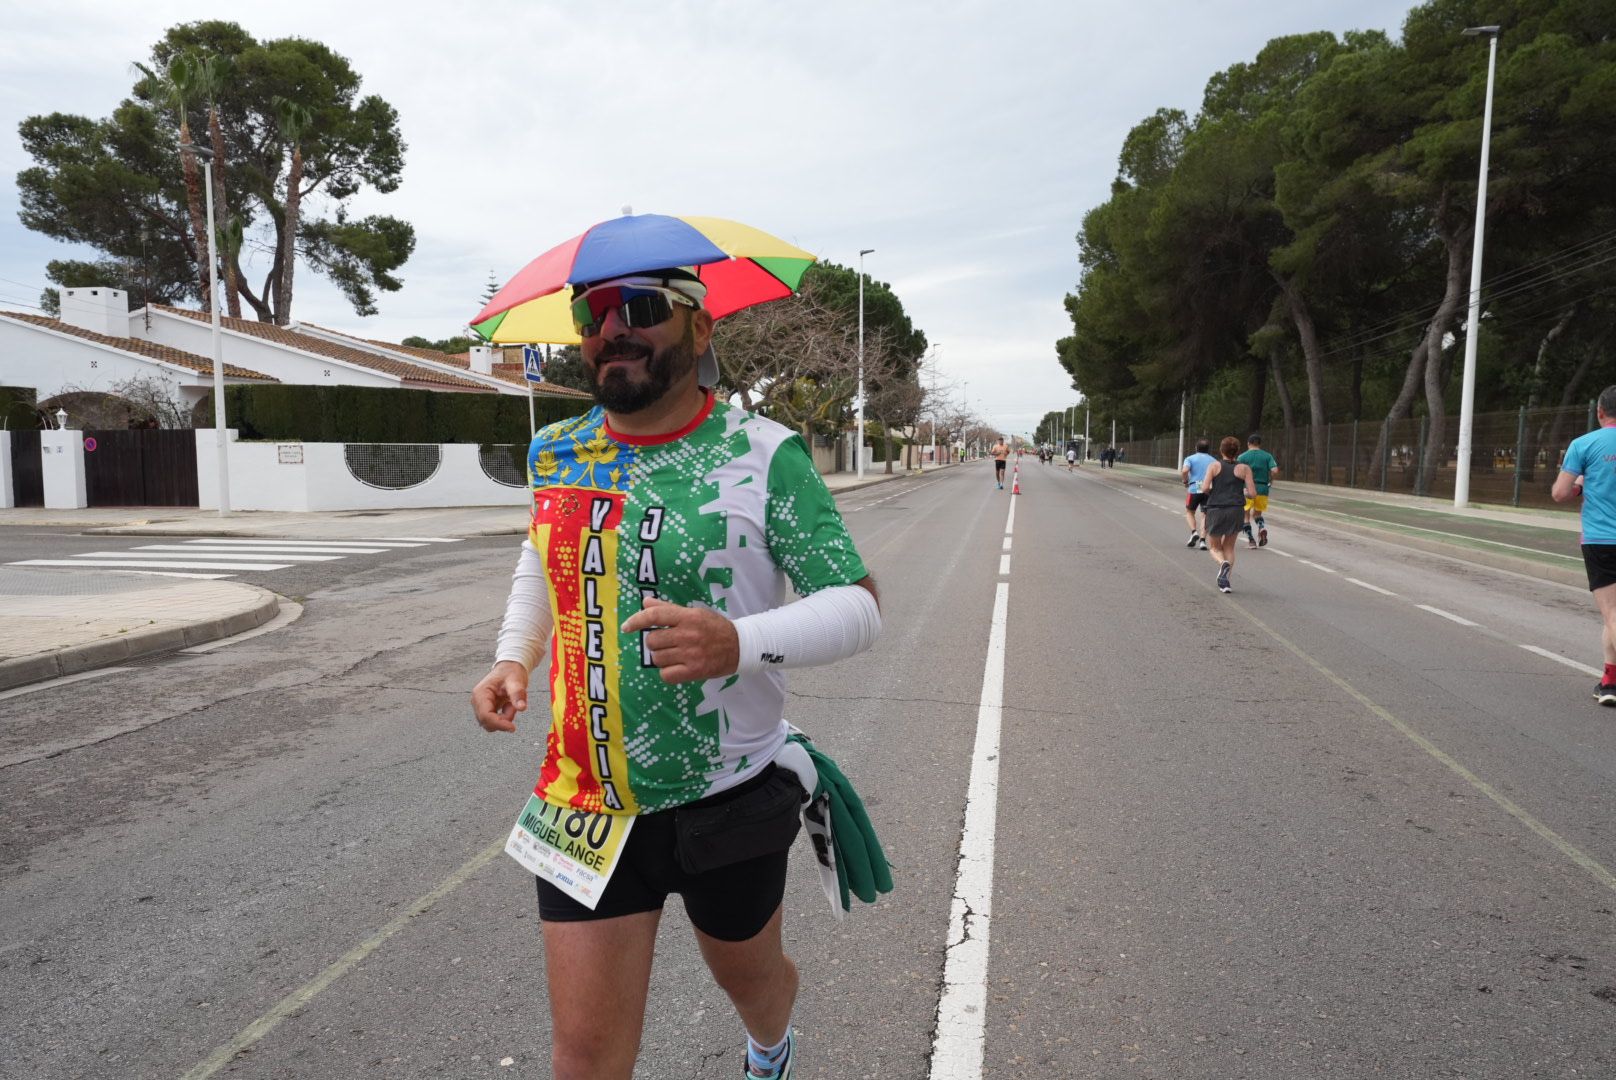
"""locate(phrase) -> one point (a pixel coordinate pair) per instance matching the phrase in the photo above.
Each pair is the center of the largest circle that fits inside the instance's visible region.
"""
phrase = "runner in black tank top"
(1229, 484)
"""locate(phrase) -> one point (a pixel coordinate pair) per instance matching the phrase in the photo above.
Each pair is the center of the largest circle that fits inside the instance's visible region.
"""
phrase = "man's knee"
(592, 1053)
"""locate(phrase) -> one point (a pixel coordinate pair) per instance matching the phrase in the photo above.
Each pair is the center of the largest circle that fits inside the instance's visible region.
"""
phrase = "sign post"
(533, 372)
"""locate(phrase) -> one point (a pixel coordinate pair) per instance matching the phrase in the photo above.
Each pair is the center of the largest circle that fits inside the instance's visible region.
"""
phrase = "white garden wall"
(316, 476)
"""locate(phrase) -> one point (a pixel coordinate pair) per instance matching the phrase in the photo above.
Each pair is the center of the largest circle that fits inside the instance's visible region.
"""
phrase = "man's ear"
(701, 328)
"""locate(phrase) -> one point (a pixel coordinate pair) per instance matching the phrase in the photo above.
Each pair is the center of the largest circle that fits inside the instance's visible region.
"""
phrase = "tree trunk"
(221, 212)
(1287, 413)
(1528, 452)
(1356, 391)
(283, 297)
(1259, 392)
(1314, 365)
(1436, 370)
(260, 305)
(199, 219)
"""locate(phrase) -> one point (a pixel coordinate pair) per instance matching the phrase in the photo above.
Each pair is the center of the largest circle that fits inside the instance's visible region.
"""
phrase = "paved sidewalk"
(61, 622)
(57, 624)
(1536, 542)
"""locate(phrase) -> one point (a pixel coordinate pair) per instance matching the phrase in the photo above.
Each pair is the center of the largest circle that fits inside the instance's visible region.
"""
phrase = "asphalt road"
(1309, 829)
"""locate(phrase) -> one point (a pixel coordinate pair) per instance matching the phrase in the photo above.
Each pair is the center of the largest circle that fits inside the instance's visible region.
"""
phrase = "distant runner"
(1001, 454)
(1589, 470)
(1228, 485)
(1193, 472)
(1263, 470)
(1071, 457)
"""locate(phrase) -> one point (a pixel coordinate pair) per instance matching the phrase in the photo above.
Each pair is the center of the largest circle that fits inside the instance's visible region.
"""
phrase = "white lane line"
(1004, 564)
(248, 554)
(170, 573)
(51, 684)
(188, 565)
(1282, 554)
(957, 1049)
(1566, 660)
(1010, 522)
(1450, 616)
(293, 545)
(306, 993)
(1006, 544)
(1371, 588)
(1316, 566)
(279, 553)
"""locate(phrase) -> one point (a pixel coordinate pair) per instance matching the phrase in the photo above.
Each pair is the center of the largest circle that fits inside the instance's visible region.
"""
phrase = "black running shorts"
(998, 466)
(1195, 500)
(731, 903)
(1600, 559)
(1224, 520)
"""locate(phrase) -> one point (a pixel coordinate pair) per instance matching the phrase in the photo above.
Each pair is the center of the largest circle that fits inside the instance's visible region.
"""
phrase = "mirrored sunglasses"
(638, 307)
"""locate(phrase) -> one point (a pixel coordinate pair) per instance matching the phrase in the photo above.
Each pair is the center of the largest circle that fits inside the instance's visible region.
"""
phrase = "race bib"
(574, 850)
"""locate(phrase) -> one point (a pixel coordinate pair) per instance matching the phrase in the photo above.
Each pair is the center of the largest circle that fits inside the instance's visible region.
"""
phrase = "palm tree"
(295, 120)
(212, 73)
(177, 88)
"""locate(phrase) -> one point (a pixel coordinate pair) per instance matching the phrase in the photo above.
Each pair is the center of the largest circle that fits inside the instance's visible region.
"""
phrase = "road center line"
(1316, 566)
(958, 1047)
(1566, 660)
(306, 993)
(1371, 588)
(1004, 564)
(1450, 616)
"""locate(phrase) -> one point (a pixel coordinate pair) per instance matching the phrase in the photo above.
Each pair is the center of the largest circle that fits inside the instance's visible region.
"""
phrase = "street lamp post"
(858, 442)
(205, 155)
(1467, 395)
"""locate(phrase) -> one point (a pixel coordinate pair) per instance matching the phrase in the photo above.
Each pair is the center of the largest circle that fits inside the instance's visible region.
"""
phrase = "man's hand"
(689, 644)
(500, 696)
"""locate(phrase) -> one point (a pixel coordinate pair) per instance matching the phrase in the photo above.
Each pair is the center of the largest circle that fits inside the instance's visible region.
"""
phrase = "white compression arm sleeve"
(832, 624)
(524, 636)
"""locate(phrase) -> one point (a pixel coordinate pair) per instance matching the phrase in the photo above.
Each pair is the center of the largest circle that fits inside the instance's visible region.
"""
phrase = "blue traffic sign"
(532, 363)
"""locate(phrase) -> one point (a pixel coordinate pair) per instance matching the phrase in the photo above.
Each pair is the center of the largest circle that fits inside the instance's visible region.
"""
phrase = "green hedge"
(18, 411)
(364, 414)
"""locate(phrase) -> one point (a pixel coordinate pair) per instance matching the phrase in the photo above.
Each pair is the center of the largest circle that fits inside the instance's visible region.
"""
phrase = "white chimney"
(97, 309)
(482, 359)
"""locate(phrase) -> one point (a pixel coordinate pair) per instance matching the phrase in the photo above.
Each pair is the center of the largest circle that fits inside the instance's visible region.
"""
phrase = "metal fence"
(1514, 456)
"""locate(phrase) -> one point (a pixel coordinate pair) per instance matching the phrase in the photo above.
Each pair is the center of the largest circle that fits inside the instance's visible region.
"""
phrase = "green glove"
(862, 869)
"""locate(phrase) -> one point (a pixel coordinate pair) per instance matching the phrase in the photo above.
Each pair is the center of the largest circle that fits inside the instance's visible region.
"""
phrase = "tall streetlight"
(205, 155)
(858, 443)
(1467, 395)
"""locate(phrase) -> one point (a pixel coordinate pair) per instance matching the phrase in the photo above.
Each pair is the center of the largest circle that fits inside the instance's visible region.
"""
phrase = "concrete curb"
(22, 670)
(1390, 534)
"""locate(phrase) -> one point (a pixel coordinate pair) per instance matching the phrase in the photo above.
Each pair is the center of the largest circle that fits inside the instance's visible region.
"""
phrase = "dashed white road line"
(1282, 554)
(1316, 566)
(957, 1048)
(1371, 588)
(1566, 660)
(1004, 565)
(1450, 616)
(1006, 544)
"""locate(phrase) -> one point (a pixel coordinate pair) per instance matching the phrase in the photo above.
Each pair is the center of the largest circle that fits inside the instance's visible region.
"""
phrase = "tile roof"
(149, 349)
(463, 362)
(280, 335)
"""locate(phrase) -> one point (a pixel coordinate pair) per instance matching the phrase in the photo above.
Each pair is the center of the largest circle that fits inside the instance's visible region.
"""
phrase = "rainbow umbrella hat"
(740, 266)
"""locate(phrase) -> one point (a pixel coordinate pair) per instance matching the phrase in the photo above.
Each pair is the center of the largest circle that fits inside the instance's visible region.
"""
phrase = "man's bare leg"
(759, 978)
(599, 975)
(1606, 599)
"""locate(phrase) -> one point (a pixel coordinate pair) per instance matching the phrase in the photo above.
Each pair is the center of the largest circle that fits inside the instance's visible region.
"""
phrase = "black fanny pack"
(759, 818)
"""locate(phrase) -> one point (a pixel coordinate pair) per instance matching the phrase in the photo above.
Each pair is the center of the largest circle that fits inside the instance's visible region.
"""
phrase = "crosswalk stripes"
(202, 557)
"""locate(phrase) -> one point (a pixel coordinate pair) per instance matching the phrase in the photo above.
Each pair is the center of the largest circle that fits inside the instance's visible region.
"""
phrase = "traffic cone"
(1015, 484)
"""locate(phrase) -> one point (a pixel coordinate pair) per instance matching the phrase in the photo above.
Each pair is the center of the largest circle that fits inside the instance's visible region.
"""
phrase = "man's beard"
(619, 392)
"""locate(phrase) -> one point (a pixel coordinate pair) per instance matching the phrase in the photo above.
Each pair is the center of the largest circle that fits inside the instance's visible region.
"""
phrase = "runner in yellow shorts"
(1263, 470)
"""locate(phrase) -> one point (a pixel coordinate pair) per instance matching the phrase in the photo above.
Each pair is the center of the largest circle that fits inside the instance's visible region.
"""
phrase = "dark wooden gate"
(140, 468)
(27, 473)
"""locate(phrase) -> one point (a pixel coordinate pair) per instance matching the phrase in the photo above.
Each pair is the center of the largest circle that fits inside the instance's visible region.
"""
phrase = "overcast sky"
(962, 141)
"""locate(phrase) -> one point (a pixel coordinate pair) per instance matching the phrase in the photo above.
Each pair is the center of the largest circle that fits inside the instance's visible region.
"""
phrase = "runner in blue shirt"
(1193, 473)
(1589, 470)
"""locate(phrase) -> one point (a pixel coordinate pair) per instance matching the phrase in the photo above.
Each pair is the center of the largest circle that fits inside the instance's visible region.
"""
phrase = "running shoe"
(1203, 544)
(1251, 544)
(1605, 693)
(783, 1070)
(1262, 536)
(1223, 577)
(1194, 539)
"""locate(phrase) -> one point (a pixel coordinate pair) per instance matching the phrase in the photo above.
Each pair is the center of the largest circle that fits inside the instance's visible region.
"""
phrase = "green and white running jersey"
(721, 514)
